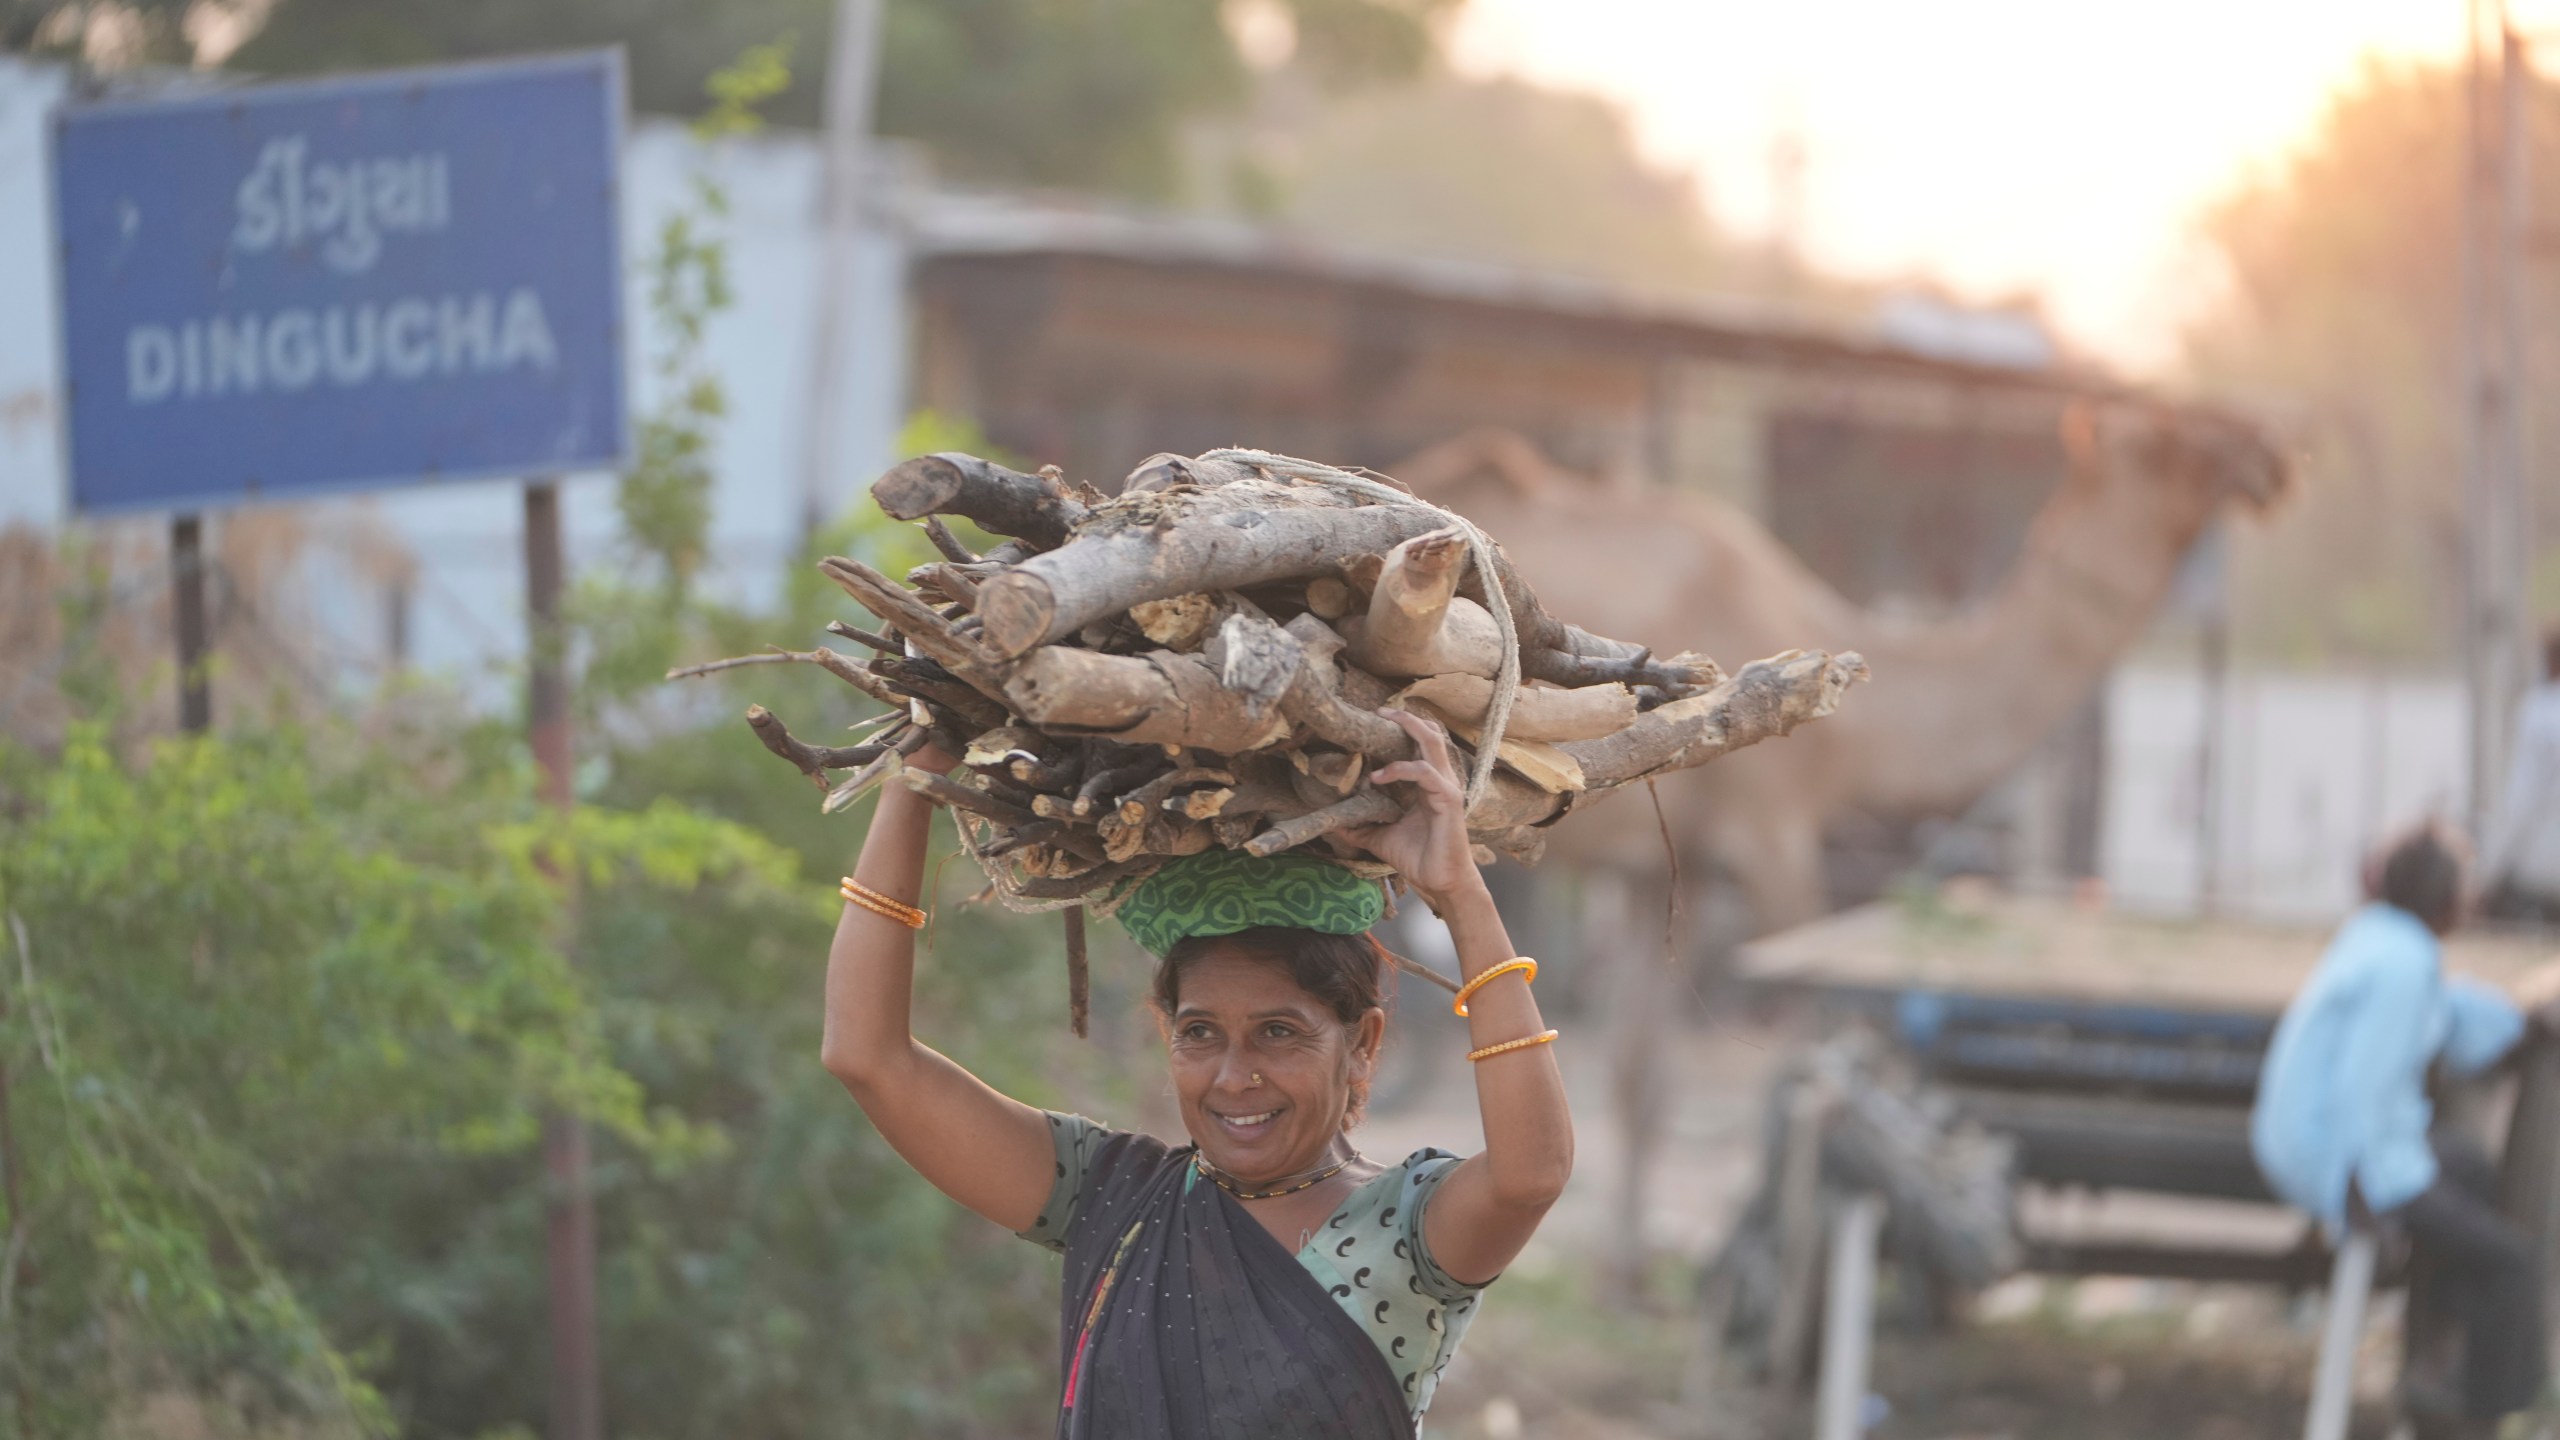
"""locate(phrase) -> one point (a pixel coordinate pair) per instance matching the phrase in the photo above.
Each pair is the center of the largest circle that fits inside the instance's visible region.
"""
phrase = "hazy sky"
(2058, 146)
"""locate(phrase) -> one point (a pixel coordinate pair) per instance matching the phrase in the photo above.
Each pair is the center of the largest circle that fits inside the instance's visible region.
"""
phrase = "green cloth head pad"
(1219, 892)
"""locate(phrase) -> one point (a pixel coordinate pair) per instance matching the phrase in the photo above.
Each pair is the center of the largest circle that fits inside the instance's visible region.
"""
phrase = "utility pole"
(853, 71)
(2497, 643)
(1788, 160)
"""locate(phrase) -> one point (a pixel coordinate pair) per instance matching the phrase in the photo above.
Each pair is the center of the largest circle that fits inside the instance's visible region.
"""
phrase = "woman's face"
(1242, 1017)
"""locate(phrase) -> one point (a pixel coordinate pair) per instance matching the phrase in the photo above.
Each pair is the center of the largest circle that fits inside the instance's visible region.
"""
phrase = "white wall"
(30, 456)
(2315, 769)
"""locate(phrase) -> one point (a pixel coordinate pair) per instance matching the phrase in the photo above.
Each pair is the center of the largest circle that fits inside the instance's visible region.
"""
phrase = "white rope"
(1506, 681)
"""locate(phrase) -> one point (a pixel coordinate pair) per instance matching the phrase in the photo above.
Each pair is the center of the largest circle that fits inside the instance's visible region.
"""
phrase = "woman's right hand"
(982, 1148)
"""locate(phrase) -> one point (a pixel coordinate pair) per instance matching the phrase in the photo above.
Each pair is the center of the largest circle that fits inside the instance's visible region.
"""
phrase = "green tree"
(1494, 170)
(1091, 95)
(235, 964)
(2339, 320)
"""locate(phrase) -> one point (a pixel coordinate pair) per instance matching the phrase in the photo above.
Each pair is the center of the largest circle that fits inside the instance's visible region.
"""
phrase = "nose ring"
(1257, 1078)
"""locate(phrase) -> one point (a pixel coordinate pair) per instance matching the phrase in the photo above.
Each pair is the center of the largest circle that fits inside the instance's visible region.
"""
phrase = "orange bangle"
(857, 893)
(1521, 962)
(1490, 1051)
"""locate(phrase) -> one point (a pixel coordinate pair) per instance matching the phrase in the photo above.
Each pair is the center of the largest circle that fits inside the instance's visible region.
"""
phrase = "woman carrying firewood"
(1265, 1279)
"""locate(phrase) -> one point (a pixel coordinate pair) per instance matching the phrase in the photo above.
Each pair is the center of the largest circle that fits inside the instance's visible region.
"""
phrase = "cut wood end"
(1431, 554)
(1200, 804)
(1017, 609)
(1361, 574)
(1179, 623)
(913, 489)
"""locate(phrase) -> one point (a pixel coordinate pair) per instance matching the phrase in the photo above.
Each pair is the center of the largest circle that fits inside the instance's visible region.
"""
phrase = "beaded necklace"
(1219, 1178)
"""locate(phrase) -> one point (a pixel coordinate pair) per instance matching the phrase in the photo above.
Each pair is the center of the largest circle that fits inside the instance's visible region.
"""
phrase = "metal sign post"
(195, 642)
(577, 1386)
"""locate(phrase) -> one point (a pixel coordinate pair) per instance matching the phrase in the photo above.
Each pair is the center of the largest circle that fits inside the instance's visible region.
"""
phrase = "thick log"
(1268, 664)
(1465, 640)
(1335, 770)
(1206, 804)
(1562, 654)
(1329, 597)
(1415, 623)
(1161, 698)
(1767, 699)
(1156, 545)
(1032, 508)
(1590, 713)
(1181, 622)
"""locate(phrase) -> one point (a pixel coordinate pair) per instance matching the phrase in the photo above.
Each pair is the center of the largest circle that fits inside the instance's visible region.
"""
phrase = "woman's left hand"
(1429, 845)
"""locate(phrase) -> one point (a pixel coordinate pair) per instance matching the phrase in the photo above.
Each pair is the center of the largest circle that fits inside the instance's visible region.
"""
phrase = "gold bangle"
(1490, 1051)
(849, 883)
(911, 921)
(857, 893)
(880, 904)
(1518, 962)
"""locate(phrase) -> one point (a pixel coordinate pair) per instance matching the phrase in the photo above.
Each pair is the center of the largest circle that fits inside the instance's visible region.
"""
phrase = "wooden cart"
(2120, 1054)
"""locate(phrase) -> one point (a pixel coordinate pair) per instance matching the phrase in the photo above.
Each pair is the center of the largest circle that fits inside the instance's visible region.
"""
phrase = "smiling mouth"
(1248, 1122)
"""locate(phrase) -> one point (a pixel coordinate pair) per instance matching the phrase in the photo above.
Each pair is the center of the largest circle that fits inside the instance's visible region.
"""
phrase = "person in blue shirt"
(2341, 1124)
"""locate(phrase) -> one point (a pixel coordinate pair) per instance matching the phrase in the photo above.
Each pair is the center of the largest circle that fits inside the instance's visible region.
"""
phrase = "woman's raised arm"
(982, 1148)
(1491, 1204)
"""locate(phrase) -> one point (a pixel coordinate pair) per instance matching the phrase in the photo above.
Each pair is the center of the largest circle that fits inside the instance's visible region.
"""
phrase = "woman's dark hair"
(1341, 971)
(2421, 872)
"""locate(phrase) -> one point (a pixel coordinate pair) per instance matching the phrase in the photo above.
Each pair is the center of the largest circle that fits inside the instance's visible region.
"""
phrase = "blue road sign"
(344, 284)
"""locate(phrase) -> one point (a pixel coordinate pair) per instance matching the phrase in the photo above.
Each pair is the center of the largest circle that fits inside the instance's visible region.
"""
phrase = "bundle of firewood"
(1200, 661)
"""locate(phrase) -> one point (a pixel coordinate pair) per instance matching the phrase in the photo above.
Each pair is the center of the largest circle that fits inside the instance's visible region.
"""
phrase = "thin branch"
(849, 671)
(872, 638)
(853, 787)
(687, 672)
(951, 792)
(814, 761)
(1364, 807)
(1079, 973)
(948, 543)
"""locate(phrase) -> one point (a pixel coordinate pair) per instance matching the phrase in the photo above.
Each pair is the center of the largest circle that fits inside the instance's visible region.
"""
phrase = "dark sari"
(1184, 1320)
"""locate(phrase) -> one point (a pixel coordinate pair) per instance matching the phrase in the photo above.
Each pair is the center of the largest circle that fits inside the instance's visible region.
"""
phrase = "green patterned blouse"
(1370, 1256)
